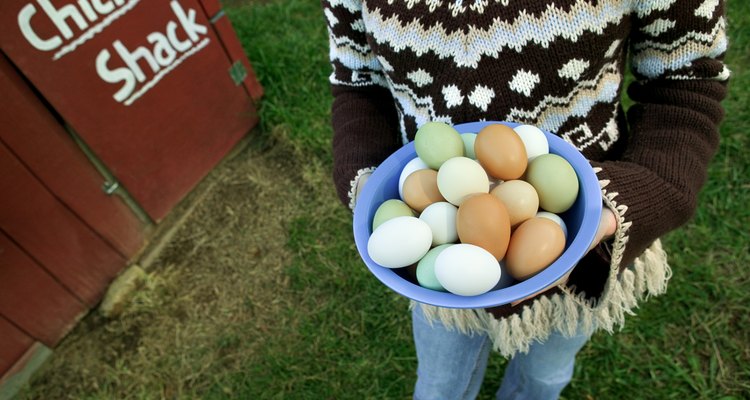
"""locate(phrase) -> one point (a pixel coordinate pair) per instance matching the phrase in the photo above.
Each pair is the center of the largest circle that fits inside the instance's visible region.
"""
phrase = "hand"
(606, 229)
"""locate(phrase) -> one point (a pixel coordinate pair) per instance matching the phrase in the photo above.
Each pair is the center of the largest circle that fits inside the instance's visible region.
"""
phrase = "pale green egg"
(390, 209)
(555, 181)
(436, 142)
(469, 139)
(426, 268)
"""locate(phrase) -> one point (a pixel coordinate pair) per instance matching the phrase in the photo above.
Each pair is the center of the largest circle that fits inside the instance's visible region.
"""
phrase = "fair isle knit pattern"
(559, 65)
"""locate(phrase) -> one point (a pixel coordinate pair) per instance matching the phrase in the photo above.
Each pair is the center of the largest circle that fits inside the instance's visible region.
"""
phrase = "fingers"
(606, 229)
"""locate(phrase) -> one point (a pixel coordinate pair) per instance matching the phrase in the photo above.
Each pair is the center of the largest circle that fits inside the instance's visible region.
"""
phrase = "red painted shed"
(111, 111)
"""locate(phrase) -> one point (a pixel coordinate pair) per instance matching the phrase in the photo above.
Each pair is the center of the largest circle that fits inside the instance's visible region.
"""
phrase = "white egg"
(441, 217)
(469, 139)
(533, 139)
(460, 177)
(556, 218)
(467, 270)
(414, 165)
(399, 242)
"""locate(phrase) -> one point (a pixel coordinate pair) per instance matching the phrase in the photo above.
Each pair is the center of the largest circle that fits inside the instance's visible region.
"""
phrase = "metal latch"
(238, 72)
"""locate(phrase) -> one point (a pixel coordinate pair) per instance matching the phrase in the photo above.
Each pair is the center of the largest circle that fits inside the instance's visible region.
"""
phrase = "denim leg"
(451, 364)
(543, 372)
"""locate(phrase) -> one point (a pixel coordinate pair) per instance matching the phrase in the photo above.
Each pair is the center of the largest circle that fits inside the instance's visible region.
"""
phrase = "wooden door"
(147, 86)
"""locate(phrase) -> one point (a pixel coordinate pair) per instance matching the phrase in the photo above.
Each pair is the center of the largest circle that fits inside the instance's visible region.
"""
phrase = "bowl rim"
(578, 247)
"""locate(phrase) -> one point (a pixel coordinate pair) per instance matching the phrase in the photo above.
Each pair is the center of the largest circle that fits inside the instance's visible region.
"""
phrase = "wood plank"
(15, 344)
(50, 233)
(32, 299)
(235, 51)
(211, 7)
(37, 138)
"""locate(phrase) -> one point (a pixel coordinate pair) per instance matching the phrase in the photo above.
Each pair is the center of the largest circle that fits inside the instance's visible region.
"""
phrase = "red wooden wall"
(62, 238)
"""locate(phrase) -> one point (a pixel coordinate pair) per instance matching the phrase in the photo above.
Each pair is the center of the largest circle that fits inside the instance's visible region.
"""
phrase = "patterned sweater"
(559, 65)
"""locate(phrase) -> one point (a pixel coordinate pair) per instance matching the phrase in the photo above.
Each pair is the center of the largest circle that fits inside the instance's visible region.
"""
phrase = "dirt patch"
(218, 283)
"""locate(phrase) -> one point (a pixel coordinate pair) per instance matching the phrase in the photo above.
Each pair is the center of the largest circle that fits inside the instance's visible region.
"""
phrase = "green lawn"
(354, 340)
(324, 328)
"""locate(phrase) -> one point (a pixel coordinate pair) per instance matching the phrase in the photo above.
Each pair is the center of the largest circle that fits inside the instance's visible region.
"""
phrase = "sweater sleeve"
(677, 50)
(363, 114)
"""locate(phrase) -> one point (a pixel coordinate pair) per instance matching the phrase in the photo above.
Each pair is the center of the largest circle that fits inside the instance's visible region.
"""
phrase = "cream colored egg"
(520, 200)
(467, 270)
(399, 242)
(460, 177)
(441, 217)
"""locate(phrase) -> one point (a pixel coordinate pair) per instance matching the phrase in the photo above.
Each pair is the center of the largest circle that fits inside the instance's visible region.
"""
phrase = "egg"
(441, 217)
(435, 142)
(534, 140)
(501, 152)
(399, 242)
(421, 189)
(556, 218)
(426, 269)
(467, 270)
(469, 139)
(414, 165)
(534, 245)
(390, 208)
(460, 177)
(555, 182)
(519, 198)
(482, 220)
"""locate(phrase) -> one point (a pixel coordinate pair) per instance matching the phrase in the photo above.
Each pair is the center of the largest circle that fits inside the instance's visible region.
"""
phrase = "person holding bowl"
(560, 66)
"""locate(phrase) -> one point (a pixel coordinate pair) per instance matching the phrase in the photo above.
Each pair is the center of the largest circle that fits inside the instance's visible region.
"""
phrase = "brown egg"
(482, 220)
(501, 152)
(534, 245)
(421, 189)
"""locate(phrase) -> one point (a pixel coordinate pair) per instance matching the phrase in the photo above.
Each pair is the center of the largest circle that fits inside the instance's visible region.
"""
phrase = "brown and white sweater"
(559, 65)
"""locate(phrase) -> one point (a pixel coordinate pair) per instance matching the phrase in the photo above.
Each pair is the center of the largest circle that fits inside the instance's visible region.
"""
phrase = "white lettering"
(86, 8)
(102, 7)
(131, 59)
(24, 22)
(188, 21)
(167, 50)
(118, 75)
(58, 17)
(176, 43)
(163, 52)
(82, 14)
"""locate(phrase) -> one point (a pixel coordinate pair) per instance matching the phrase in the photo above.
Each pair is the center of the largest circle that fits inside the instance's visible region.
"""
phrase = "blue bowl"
(582, 220)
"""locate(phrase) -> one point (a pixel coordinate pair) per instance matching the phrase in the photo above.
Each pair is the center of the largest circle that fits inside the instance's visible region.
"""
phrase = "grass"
(262, 294)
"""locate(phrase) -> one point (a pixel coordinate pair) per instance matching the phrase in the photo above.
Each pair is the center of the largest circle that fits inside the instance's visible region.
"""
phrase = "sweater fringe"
(568, 312)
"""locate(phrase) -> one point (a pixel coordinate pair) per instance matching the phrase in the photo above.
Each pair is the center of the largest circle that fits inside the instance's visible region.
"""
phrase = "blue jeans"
(452, 365)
